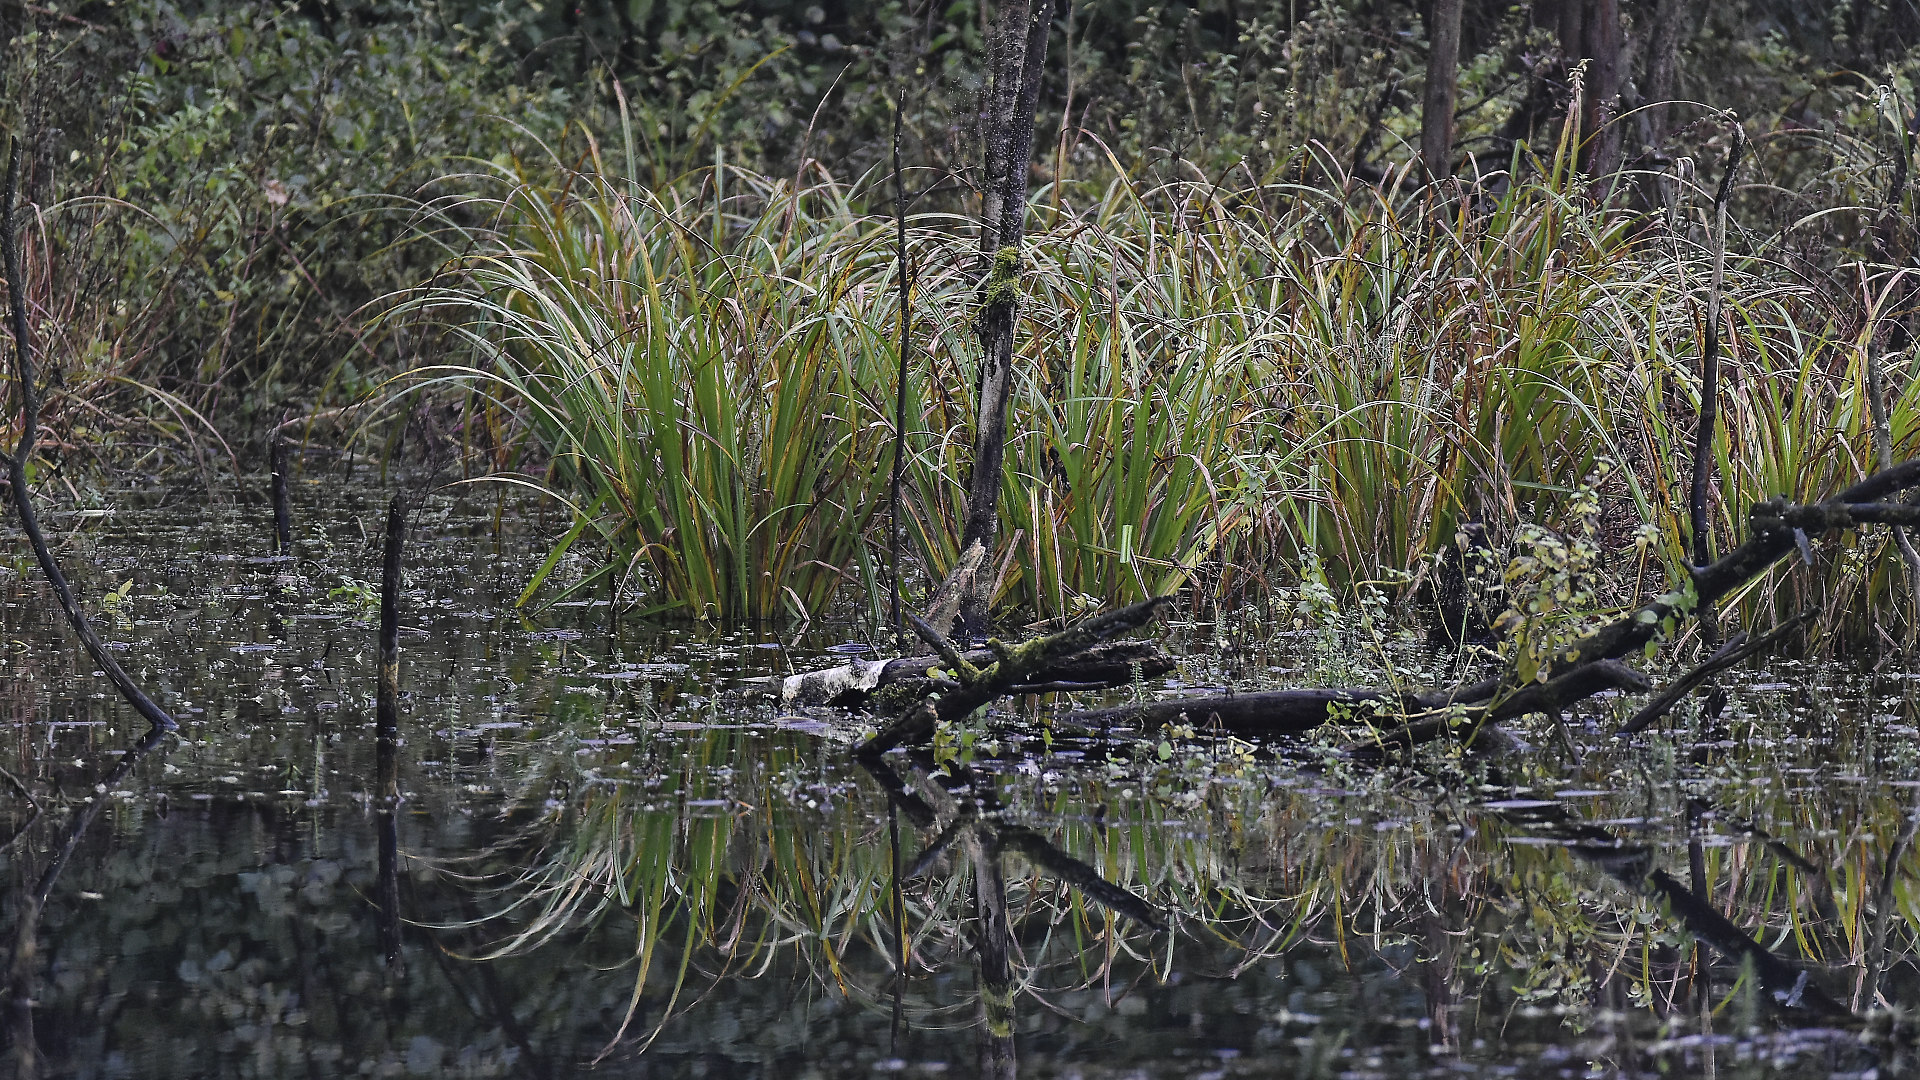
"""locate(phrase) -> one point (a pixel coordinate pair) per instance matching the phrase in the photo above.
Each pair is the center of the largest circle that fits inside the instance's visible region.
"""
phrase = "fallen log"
(1588, 666)
(1736, 649)
(1039, 850)
(1104, 666)
(1267, 713)
(1015, 665)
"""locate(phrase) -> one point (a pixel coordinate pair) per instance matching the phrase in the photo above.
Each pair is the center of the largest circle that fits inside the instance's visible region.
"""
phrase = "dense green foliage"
(214, 187)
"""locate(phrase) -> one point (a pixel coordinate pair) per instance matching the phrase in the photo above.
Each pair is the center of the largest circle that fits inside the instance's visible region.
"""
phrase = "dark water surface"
(612, 847)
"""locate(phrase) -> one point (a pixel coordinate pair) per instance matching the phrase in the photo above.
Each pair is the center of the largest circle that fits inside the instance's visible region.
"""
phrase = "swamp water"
(611, 846)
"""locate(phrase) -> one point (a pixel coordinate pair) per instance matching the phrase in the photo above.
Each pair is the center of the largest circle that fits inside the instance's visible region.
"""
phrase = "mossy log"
(1014, 666)
(1102, 667)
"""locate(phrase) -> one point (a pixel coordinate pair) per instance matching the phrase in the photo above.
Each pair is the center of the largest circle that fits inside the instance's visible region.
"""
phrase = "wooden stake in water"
(282, 510)
(387, 714)
(387, 736)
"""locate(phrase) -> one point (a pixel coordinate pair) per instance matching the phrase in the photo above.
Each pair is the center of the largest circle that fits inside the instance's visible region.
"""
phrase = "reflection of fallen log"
(1786, 984)
(1064, 867)
(1631, 865)
(1104, 666)
(968, 826)
(24, 963)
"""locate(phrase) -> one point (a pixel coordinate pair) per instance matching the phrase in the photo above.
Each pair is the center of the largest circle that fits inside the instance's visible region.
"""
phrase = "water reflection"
(984, 843)
(572, 845)
(1430, 929)
(23, 961)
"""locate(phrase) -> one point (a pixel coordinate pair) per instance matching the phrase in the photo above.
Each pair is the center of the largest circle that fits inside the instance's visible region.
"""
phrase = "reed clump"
(1217, 382)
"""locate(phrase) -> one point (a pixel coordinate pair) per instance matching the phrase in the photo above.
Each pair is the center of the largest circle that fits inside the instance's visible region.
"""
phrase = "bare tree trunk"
(1020, 55)
(1602, 47)
(1663, 64)
(1573, 38)
(1443, 81)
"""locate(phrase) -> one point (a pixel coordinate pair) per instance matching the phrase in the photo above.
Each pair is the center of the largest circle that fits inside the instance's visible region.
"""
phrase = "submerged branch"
(1737, 649)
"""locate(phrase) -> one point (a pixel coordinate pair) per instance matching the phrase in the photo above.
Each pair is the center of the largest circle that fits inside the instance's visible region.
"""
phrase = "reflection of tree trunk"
(1440, 964)
(23, 964)
(1703, 888)
(1876, 958)
(1443, 77)
(902, 948)
(387, 824)
(993, 948)
(1786, 985)
(387, 737)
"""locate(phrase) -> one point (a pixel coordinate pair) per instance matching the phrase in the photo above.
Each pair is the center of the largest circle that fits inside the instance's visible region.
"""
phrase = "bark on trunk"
(1670, 26)
(1443, 79)
(1020, 56)
(1601, 47)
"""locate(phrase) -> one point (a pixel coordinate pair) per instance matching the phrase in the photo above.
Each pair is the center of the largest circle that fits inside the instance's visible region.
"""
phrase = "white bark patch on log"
(821, 687)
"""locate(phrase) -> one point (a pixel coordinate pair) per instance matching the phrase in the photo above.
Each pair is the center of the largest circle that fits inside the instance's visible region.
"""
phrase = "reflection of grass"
(1249, 874)
(720, 891)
